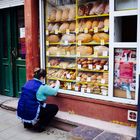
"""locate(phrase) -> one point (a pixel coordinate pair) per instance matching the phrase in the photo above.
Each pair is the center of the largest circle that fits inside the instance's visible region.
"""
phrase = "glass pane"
(5, 35)
(125, 73)
(21, 32)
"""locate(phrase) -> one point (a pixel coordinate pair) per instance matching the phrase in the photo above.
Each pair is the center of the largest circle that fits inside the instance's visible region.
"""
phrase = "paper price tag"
(77, 30)
(56, 31)
(105, 53)
(66, 42)
(47, 43)
(47, 32)
(105, 67)
(67, 31)
(47, 53)
(102, 81)
(76, 89)
(78, 54)
(69, 86)
(78, 79)
(98, 67)
(83, 90)
(49, 64)
(68, 76)
(95, 29)
(88, 79)
(106, 29)
(79, 66)
(85, 30)
(90, 66)
(88, 90)
(102, 42)
(79, 42)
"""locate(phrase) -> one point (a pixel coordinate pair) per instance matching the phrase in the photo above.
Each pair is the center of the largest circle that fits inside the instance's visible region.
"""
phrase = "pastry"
(84, 37)
(53, 38)
(65, 14)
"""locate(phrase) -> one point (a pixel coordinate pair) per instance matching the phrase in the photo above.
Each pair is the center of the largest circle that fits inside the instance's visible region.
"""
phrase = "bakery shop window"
(125, 29)
(125, 73)
(125, 5)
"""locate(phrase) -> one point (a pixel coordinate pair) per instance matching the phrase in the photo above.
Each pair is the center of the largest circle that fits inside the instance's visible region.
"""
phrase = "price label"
(102, 42)
(67, 31)
(47, 32)
(78, 54)
(77, 30)
(69, 86)
(56, 31)
(104, 92)
(85, 30)
(79, 42)
(102, 81)
(68, 76)
(49, 64)
(47, 43)
(105, 53)
(95, 53)
(66, 42)
(76, 89)
(47, 53)
(95, 29)
(98, 67)
(68, 53)
(105, 67)
(79, 66)
(78, 79)
(106, 29)
(83, 90)
(88, 79)
(88, 90)
(90, 66)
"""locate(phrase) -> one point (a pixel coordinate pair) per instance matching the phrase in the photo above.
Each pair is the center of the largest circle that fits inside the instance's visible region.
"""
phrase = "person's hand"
(57, 83)
(52, 85)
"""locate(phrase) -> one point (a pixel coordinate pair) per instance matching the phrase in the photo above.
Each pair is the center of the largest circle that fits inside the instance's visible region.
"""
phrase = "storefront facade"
(93, 49)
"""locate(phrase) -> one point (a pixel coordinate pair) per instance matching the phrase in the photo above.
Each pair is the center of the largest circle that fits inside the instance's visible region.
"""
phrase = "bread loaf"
(93, 10)
(100, 9)
(81, 10)
(101, 25)
(69, 38)
(88, 8)
(50, 26)
(95, 24)
(65, 14)
(55, 27)
(63, 27)
(72, 13)
(100, 49)
(53, 50)
(52, 16)
(84, 50)
(58, 15)
(106, 22)
(88, 24)
(106, 11)
(84, 37)
(101, 36)
(53, 38)
(72, 26)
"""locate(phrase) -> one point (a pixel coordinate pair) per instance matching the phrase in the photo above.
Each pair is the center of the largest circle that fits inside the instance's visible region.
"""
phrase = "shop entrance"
(12, 51)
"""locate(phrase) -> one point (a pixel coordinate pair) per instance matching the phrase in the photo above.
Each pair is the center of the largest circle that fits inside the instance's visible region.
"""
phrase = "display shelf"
(61, 43)
(64, 80)
(88, 70)
(57, 67)
(92, 16)
(70, 32)
(48, 21)
(63, 56)
(93, 56)
(94, 43)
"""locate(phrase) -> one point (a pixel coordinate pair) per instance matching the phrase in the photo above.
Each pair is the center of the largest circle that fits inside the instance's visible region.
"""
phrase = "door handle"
(14, 53)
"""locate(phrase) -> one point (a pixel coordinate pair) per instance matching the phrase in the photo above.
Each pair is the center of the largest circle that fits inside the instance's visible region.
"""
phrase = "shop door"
(12, 67)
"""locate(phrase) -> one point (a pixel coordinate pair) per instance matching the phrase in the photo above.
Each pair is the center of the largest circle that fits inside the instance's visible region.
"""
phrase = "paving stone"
(84, 133)
(112, 136)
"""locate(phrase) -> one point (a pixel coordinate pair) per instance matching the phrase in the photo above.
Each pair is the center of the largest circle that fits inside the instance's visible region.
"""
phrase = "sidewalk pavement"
(12, 129)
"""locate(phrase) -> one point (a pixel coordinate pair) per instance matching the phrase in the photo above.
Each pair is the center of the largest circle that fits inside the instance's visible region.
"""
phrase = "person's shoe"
(39, 128)
(28, 125)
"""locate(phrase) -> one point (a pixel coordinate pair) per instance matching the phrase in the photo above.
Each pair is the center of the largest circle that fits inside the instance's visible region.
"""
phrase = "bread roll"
(100, 9)
(63, 27)
(81, 10)
(69, 38)
(58, 15)
(101, 25)
(72, 26)
(95, 24)
(52, 16)
(65, 14)
(55, 27)
(101, 36)
(53, 50)
(85, 50)
(93, 10)
(106, 11)
(50, 26)
(106, 22)
(88, 8)
(72, 13)
(88, 24)
(84, 38)
(53, 38)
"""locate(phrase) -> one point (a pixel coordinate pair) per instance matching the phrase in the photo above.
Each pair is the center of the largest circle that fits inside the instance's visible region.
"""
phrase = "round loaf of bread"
(53, 38)
(84, 37)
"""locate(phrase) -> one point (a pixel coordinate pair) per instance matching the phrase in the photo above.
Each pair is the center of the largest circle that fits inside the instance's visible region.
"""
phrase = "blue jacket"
(28, 105)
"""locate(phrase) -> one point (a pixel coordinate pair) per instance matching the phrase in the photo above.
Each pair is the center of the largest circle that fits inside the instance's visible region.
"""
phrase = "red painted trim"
(31, 10)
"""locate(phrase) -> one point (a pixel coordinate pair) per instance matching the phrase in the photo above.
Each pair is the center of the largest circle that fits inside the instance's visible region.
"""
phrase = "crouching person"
(32, 108)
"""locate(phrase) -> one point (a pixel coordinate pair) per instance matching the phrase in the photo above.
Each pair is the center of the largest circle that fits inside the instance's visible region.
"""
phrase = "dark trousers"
(45, 116)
